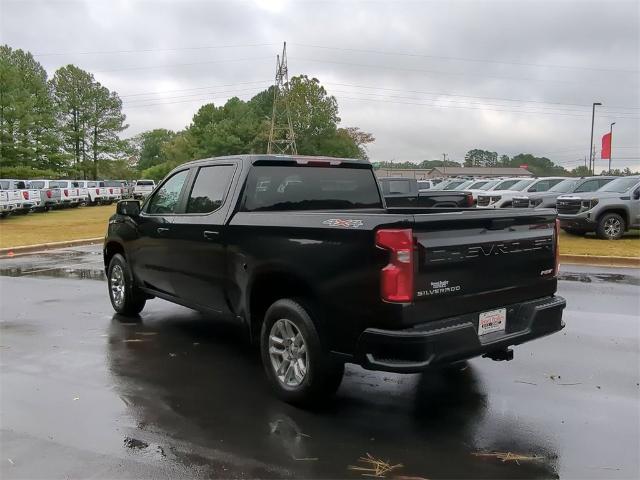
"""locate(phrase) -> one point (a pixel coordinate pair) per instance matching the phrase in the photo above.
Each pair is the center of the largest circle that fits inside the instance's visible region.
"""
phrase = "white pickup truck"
(143, 188)
(69, 194)
(49, 193)
(114, 190)
(504, 198)
(6, 207)
(95, 193)
(21, 195)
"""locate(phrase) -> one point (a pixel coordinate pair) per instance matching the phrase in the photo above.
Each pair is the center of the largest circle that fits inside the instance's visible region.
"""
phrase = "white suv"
(503, 198)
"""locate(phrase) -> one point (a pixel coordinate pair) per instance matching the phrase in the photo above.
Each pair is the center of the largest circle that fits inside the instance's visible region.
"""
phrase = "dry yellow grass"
(54, 226)
(628, 246)
(91, 222)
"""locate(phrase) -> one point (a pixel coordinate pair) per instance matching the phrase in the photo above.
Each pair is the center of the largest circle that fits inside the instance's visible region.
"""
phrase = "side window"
(538, 187)
(166, 199)
(210, 188)
(589, 186)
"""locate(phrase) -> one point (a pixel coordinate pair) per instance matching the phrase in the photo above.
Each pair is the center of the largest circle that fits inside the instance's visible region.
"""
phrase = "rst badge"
(343, 222)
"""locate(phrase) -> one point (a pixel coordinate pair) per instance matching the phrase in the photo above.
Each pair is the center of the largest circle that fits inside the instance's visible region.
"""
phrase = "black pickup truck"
(303, 253)
(404, 192)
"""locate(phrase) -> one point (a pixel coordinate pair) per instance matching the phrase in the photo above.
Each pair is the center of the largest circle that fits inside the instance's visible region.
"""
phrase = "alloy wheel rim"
(288, 353)
(116, 282)
(612, 227)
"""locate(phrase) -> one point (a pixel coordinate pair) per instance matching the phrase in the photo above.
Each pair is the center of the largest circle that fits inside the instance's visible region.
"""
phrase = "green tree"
(72, 88)
(540, 166)
(148, 147)
(227, 130)
(105, 122)
(90, 119)
(580, 171)
(480, 158)
(28, 133)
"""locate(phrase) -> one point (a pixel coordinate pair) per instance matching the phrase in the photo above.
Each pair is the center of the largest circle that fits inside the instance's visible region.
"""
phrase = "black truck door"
(199, 248)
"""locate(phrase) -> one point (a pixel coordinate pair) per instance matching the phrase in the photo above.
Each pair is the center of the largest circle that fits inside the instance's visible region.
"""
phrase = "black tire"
(576, 232)
(611, 226)
(322, 375)
(132, 299)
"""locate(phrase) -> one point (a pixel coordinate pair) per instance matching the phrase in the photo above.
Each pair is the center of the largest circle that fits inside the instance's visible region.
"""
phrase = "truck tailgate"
(481, 260)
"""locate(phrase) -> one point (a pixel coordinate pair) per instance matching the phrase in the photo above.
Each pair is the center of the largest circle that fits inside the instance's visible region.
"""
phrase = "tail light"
(111, 191)
(97, 191)
(396, 280)
(556, 247)
(25, 194)
(49, 193)
(469, 200)
(66, 192)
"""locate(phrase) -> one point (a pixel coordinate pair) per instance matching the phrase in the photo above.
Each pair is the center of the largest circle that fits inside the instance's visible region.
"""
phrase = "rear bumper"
(454, 339)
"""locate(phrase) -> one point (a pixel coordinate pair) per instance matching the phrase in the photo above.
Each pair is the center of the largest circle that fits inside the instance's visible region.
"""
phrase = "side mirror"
(130, 208)
(636, 195)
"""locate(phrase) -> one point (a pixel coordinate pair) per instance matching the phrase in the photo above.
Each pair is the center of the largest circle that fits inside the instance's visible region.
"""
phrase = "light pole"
(610, 144)
(593, 115)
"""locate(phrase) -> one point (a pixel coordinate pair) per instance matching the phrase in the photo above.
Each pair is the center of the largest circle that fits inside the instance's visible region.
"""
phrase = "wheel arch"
(270, 286)
(110, 249)
(623, 212)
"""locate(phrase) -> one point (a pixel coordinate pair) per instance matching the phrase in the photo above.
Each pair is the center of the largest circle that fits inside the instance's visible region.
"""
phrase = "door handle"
(162, 230)
(210, 234)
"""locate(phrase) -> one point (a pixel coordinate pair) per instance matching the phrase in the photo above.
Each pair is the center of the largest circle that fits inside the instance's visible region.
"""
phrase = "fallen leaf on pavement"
(509, 457)
(374, 467)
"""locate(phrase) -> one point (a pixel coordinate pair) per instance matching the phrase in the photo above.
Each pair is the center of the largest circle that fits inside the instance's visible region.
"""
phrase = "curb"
(40, 247)
(632, 262)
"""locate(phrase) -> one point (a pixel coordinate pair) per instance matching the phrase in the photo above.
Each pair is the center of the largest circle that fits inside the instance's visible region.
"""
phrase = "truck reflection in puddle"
(195, 389)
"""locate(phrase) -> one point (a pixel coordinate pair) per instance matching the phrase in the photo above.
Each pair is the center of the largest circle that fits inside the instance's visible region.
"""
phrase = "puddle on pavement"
(83, 273)
(599, 278)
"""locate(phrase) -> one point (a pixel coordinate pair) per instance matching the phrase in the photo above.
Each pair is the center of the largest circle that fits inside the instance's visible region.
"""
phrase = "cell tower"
(281, 136)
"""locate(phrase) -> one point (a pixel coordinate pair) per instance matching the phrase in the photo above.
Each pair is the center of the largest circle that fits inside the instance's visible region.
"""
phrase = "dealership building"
(440, 172)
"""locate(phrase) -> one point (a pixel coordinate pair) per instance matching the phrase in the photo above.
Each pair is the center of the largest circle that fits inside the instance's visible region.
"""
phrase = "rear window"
(620, 185)
(519, 186)
(57, 184)
(37, 184)
(506, 184)
(145, 183)
(210, 188)
(112, 183)
(564, 186)
(4, 185)
(277, 188)
(399, 186)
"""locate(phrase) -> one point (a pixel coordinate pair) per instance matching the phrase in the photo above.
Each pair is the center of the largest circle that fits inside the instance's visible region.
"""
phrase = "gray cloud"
(485, 52)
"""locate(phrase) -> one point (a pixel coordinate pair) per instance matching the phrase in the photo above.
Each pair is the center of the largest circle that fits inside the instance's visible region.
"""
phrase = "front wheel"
(126, 297)
(611, 226)
(299, 369)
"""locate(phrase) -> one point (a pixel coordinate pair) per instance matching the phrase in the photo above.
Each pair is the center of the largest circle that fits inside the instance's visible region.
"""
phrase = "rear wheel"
(126, 298)
(297, 365)
(611, 226)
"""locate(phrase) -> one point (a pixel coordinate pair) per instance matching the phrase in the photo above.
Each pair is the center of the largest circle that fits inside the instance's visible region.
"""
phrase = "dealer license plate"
(493, 321)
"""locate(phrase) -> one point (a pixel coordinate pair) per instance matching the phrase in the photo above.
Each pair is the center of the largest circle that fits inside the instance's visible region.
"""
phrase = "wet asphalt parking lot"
(85, 395)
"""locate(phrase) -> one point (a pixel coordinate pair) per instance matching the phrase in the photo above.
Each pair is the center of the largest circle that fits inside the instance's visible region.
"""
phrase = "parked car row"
(606, 205)
(24, 196)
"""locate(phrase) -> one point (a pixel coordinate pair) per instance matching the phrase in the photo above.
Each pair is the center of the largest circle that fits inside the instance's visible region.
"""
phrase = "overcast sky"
(425, 78)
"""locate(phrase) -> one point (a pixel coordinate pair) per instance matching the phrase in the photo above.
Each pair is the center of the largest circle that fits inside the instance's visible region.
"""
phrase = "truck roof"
(280, 158)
